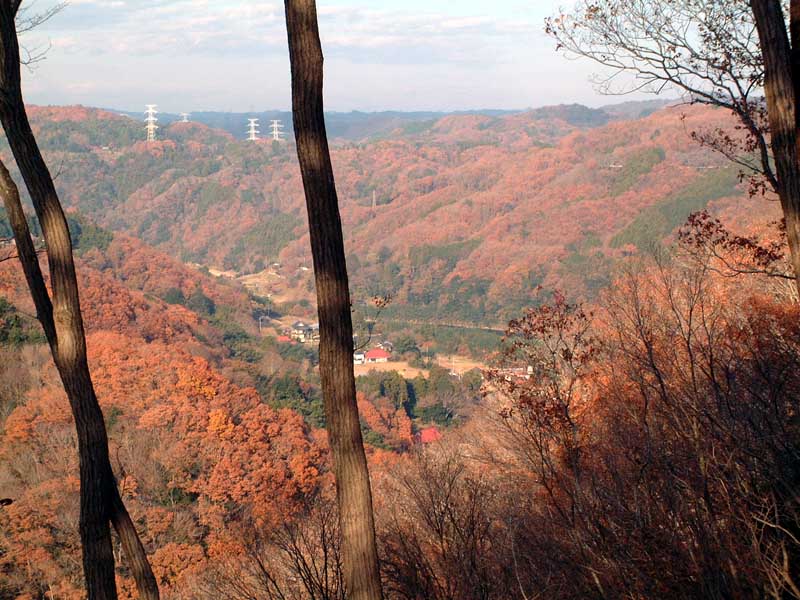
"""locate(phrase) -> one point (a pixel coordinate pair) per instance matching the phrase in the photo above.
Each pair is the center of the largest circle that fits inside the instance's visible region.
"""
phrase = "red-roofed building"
(429, 435)
(284, 339)
(377, 355)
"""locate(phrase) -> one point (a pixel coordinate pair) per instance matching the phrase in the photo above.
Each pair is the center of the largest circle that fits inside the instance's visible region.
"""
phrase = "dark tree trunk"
(781, 85)
(779, 89)
(359, 553)
(63, 325)
(794, 36)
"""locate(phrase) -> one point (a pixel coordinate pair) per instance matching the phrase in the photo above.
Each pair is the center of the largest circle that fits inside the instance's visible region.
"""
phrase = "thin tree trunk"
(63, 325)
(781, 108)
(354, 496)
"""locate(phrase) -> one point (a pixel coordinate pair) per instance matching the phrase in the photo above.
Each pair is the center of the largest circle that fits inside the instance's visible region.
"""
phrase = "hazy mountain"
(358, 125)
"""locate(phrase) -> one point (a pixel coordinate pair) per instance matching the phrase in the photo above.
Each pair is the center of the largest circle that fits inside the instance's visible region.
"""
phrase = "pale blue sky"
(189, 55)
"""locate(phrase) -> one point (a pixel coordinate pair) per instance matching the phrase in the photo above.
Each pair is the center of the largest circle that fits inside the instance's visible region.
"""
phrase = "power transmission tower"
(185, 117)
(151, 121)
(277, 130)
(252, 130)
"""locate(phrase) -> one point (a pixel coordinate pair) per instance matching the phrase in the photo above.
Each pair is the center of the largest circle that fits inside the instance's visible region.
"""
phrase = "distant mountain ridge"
(358, 125)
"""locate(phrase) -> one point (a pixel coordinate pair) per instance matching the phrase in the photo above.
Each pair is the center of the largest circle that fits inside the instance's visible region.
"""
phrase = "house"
(428, 435)
(299, 330)
(377, 355)
(305, 332)
(284, 339)
(359, 358)
(516, 373)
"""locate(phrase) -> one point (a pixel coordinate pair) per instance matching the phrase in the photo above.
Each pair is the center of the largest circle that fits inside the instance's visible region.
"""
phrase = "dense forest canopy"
(574, 332)
(622, 183)
(153, 318)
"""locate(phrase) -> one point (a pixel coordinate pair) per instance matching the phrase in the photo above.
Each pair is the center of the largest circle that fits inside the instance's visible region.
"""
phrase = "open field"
(458, 364)
(278, 287)
(401, 367)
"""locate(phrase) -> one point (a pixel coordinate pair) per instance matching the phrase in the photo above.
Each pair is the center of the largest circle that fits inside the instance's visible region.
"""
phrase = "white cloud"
(381, 55)
(213, 26)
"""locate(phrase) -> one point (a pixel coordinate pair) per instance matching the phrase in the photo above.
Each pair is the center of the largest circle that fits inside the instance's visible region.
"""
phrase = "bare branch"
(16, 256)
(707, 52)
(27, 19)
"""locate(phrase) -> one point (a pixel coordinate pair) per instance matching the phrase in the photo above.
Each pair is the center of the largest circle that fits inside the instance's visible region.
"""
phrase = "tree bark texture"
(354, 496)
(779, 89)
(794, 38)
(62, 322)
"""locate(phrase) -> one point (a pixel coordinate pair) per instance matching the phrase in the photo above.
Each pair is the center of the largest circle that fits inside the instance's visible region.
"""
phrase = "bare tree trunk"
(782, 90)
(794, 38)
(779, 88)
(63, 325)
(354, 496)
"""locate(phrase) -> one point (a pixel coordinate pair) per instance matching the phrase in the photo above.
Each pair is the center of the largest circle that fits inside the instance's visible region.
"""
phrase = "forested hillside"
(217, 429)
(193, 397)
(218, 443)
(451, 212)
(478, 354)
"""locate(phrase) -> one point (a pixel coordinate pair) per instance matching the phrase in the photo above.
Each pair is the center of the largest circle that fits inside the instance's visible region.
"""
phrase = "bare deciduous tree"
(299, 560)
(710, 53)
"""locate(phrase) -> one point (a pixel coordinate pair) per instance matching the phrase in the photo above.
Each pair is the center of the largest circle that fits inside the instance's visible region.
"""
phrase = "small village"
(308, 333)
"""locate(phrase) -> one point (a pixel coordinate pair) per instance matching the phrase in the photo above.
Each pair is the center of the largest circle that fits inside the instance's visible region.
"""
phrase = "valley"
(315, 309)
(196, 283)
(452, 231)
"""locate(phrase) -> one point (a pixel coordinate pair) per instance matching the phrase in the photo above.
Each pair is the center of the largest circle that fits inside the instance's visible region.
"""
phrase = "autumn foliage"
(641, 444)
(451, 207)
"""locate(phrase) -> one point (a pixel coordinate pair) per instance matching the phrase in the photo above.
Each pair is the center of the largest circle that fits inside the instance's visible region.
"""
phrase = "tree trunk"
(781, 85)
(782, 112)
(63, 325)
(794, 39)
(359, 553)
